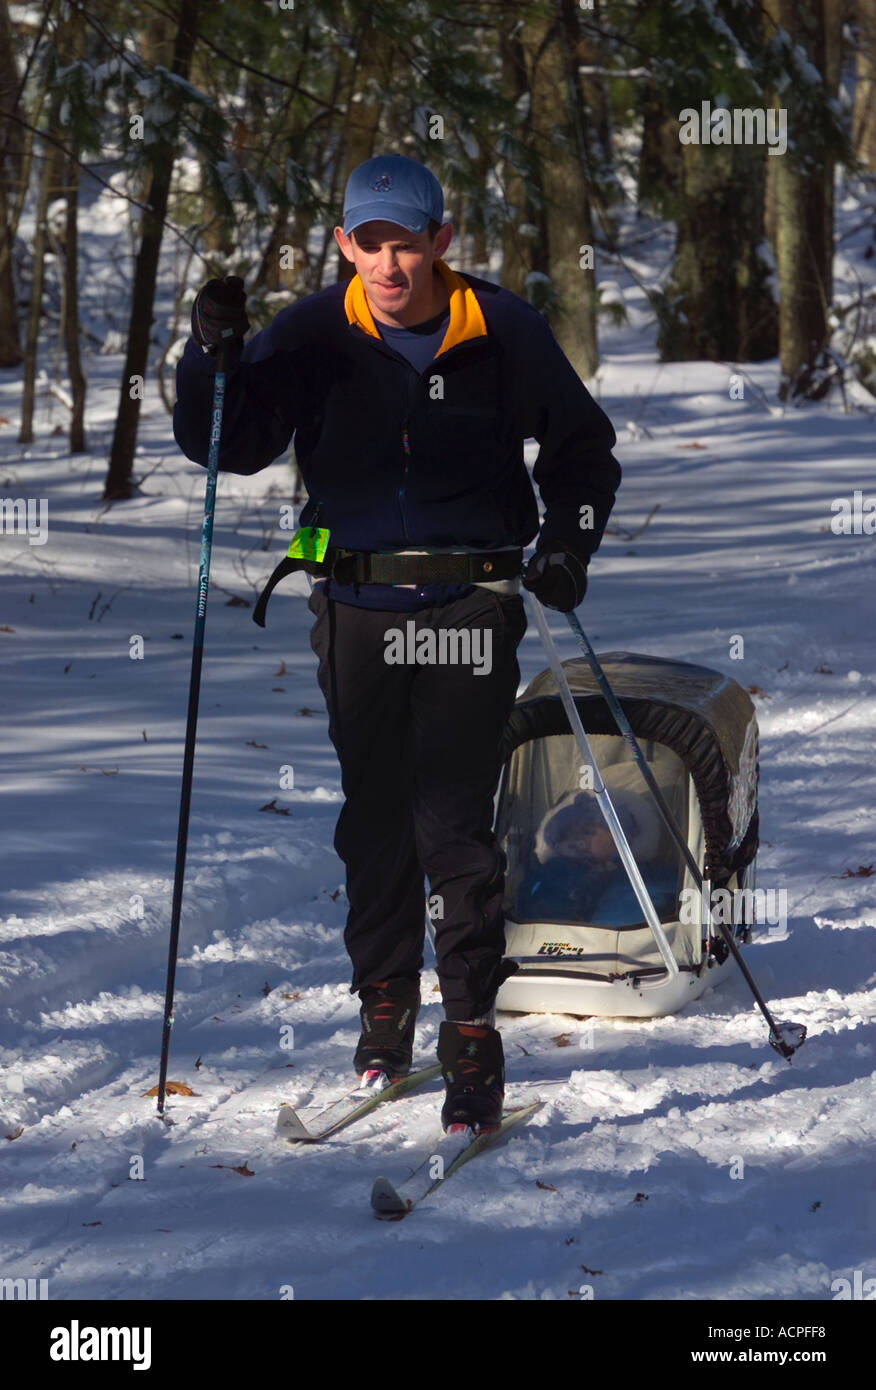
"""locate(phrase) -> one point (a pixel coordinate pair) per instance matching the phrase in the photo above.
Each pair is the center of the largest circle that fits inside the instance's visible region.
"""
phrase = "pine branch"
(117, 193)
(237, 61)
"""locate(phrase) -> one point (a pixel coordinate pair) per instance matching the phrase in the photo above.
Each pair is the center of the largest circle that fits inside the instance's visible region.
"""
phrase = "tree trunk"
(718, 304)
(802, 317)
(560, 118)
(118, 481)
(803, 247)
(334, 197)
(270, 275)
(71, 309)
(218, 230)
(520, 215)
(11, 168)
(10, 337)
(480, 250)
(372, 74)
(72, 48)
(832, 70)
(865, 85)
(588, 49)
(771, 203)
(660, 155)
(49, 188)
(155, 39)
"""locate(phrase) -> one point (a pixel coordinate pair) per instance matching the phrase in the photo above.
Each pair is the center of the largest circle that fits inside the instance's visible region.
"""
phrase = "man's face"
(394, 265)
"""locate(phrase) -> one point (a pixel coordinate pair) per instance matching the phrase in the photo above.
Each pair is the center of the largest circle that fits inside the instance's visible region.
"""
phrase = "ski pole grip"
(222, 356)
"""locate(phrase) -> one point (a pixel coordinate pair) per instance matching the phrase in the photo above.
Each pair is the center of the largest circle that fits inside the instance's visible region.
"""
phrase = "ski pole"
(792, 1035)
(638, 884)
(192, 717)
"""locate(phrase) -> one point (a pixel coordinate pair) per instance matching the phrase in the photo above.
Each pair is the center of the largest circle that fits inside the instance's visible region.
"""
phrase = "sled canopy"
(706, 718)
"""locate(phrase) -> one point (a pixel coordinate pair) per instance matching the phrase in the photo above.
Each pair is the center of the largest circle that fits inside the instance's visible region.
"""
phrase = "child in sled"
(576, 859)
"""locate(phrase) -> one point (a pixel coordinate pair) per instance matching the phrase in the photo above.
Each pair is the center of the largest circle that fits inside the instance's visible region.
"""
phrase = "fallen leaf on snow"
(173, 1088)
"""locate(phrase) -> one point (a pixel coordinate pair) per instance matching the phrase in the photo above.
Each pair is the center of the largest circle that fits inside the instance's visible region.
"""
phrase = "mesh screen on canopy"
(563, 865)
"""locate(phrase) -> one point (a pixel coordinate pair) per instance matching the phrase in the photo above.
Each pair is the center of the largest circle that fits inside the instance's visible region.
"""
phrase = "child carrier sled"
(574, 923)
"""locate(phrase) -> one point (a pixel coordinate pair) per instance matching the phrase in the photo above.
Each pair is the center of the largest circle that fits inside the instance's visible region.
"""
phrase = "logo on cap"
(383, 183)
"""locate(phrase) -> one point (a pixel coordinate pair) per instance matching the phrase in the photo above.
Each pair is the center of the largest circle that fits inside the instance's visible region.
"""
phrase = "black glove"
(219, 314)
(557, 577)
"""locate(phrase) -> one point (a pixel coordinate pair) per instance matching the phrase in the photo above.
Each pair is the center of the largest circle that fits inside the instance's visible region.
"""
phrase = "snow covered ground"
(624, 1183)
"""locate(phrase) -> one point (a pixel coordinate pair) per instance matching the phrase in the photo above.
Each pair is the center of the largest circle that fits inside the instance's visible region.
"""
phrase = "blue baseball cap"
(392, 188)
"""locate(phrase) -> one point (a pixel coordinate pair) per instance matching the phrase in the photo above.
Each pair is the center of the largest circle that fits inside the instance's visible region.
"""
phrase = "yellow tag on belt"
(309, 543)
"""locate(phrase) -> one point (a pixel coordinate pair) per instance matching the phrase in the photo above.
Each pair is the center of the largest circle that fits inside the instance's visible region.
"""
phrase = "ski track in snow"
(622, 1182)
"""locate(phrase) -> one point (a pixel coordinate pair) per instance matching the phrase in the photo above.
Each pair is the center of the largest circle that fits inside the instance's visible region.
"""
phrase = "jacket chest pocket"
(462, 444)
(459, 419)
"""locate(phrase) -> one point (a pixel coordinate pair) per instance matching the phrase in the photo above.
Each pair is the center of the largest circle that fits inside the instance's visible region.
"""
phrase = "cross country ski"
(373, 1090)
(458, 1145)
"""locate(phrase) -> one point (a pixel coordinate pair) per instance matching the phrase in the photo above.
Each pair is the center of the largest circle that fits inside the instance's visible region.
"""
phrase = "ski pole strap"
(286, 566)
(373, 567)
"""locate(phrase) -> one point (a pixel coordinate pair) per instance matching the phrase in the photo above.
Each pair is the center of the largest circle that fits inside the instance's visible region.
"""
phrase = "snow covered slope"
(674, 1159)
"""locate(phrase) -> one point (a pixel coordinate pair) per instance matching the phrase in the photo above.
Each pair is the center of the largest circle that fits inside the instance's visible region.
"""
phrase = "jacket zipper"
(406, 445)
(406, 448)
(406, 441)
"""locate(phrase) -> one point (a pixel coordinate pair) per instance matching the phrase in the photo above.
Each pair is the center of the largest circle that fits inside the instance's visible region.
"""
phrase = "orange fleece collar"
(466, 315)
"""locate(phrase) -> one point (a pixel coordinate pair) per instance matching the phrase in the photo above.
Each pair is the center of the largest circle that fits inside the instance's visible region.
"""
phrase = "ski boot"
(473, 1064)
(388, 1014)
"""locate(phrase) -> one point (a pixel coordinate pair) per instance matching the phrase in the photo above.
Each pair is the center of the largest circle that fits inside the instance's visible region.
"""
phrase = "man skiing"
(410, 392)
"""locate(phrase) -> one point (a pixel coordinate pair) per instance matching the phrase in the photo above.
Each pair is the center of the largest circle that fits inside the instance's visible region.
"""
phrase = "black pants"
(419, 749)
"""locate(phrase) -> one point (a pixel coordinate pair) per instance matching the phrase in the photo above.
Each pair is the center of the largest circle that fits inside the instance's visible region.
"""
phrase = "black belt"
(374, 567)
